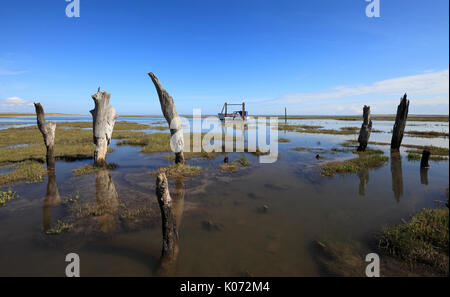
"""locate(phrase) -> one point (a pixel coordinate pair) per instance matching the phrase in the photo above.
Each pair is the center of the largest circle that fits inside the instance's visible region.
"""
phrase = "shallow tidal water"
(224, 229)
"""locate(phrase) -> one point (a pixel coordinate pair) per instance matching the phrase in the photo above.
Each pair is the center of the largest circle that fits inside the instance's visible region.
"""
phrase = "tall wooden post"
(226, 109)
(48, 133)
(104, 117)
(172, 118)
(170, 249)
(400, 124)
(366, 129)
(285, 115)
(243, 110)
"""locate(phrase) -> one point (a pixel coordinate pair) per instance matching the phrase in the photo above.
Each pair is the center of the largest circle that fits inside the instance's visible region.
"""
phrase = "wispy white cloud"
(423, 84)
(15, 104)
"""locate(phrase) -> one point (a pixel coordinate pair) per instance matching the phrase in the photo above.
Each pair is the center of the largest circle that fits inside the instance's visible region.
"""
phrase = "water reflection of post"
(107, 200)
(397, 175)
(170, 247)
(363, 181)
(424, 176)
(178, 201)
(51, 198)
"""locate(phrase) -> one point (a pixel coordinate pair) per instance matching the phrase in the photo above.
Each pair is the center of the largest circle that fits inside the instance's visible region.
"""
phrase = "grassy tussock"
(59, 228)
(178, 170)
(235, 165)
(353, 165)
(283, 140)
(6, 196)
(91, 168)
(423, 239)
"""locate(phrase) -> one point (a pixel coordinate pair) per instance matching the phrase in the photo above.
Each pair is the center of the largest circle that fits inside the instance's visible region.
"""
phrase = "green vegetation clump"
(91, 168)
(178, 170)
(235, 165)
(437, 151)
(309, 149)
(353, 165)
(6, 196)
(413, 157)
(243, 161)
(59, 228)
(29, 171)
(283, 140)
(423, 239)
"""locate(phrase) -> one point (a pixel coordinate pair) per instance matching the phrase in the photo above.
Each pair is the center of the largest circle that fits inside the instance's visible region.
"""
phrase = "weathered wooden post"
(48, 132)
(366, 128)
(170, 250)
(424, 160)
(400, 124)
(285, 115)
(172, 118)
(104, 117)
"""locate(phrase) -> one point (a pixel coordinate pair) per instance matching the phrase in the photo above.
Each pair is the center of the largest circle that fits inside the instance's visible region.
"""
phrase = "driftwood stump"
(104, 117)
(400, 123)
(366, 128)
(48, 132)
(172, 118)
(170, 250)
(51, 198)
(424, 160)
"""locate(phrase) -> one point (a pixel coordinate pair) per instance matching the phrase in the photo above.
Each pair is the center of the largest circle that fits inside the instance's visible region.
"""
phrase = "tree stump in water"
(104, 117)
(170, 250)
(424, 160)
(48, 132)
(172, 118)
(400, 123)
(366, 128)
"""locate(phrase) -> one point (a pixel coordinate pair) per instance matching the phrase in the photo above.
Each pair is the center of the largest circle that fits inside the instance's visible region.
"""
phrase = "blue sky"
(315, 56)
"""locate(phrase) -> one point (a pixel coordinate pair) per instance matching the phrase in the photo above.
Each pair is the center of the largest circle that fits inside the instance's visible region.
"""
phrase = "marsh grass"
(426, 134)
(281, 139)
(122, 125)
(6, 196)
(91, 168)
(423, 239)
(178, 170)
(309, 149)
(364, 161)
(29, 171)
(59, 228)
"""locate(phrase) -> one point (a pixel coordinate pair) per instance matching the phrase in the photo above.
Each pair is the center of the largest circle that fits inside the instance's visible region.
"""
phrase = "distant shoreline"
(412, 117)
